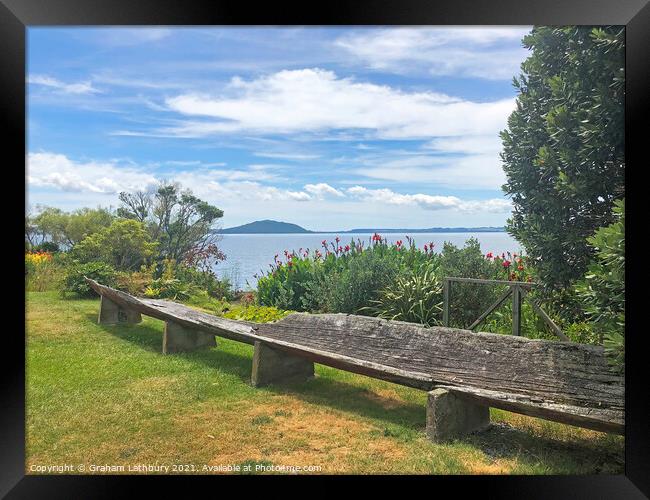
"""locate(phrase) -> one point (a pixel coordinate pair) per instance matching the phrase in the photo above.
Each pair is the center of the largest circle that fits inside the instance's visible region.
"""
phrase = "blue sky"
(329, 128)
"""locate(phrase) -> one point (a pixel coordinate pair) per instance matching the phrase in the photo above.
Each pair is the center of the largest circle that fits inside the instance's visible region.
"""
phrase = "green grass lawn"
(106, 395)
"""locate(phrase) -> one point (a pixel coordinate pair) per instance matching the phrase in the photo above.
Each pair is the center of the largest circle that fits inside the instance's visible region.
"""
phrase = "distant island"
(276, 227)
(265, 227)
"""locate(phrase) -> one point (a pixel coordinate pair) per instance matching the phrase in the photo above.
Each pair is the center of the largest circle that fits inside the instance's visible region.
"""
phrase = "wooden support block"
(449, 416)
(111, 313)
(272, 365)
(177, 338)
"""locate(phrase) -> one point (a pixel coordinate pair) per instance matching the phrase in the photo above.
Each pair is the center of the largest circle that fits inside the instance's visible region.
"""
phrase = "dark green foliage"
(603, 287)
(125, 245)
(46, 246)
(366, 274)
(98, 271)
(469, 300)
(415, 297)
(563, 151)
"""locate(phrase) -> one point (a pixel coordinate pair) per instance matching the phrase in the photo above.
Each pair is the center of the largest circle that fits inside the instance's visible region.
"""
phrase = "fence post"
(445, 298)
(516, 310)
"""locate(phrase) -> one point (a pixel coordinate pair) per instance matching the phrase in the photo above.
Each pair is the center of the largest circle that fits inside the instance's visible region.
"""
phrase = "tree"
(64, 228)
(180, 222)
(84, 222)
(603, 287)
(125, 245)
(563, 151)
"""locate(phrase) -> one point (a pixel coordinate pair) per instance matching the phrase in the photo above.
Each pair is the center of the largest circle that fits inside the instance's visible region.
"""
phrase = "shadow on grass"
(581, 456)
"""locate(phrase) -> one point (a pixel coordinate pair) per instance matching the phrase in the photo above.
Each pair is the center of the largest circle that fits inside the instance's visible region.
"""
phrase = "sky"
(329, 128)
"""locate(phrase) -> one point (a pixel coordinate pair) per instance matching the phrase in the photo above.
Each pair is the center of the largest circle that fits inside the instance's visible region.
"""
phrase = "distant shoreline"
(275, 227)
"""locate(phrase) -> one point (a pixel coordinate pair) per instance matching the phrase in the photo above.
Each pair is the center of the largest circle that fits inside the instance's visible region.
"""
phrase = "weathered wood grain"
(539, 372)
(560, 381)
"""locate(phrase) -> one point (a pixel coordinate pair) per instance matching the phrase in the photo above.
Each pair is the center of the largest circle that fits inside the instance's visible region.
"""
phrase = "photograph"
(325, 250)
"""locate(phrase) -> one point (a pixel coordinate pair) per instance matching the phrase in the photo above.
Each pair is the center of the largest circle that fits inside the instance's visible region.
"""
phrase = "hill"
(265, 227)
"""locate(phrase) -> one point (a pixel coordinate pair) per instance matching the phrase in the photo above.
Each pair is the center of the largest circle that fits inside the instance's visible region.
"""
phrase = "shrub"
(582, 333)
(358, 285)
(125, 245)
(205, 280)
(174, 289)
(469, 300)
(98, 271)
(257, 314)
(415, 297)
(134, 283)
(47, 246)
(603, 287)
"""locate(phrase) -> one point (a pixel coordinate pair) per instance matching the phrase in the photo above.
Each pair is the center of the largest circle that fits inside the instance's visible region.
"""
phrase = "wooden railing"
(517, 289)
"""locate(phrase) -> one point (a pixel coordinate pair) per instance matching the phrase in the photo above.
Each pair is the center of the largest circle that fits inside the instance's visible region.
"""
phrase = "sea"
(248, 255)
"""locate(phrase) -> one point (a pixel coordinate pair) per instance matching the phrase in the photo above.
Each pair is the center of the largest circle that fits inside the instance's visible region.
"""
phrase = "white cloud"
(322, 190)
(316, 100)
(68, 88)
(477, 52)
(58, 171)
(429, 202)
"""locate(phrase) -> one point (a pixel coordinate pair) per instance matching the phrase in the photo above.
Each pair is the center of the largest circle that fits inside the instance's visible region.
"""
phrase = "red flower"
(347, 248)
(376, 237)
(324, 243)
(506, 264)
(398, 243)
(337, 239)
(520, 267)
(426, 248)
(488, 255)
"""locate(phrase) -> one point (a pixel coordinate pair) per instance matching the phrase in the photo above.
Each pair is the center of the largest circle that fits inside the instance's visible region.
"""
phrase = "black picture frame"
(17, 15)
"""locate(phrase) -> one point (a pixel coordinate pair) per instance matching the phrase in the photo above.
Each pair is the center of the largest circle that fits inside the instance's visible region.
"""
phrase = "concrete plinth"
(449, 416)
(272, 365)
(177, 338)
(111, 313)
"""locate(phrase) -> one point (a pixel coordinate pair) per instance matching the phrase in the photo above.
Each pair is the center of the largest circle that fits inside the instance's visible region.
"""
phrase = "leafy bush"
(469, 300)
(134, 283)
(47, 246)
(125, 245)
(343, 278)
(603, 288)
(98, 271)
(582, 333)
(173, 289)
(415, 297)
(257, 314)
(360, 279)
(204, 280)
